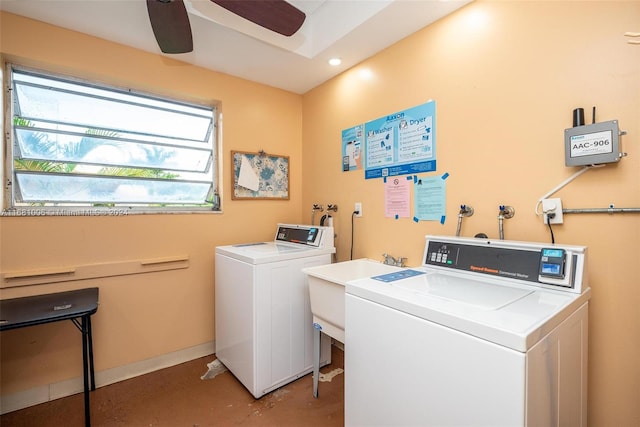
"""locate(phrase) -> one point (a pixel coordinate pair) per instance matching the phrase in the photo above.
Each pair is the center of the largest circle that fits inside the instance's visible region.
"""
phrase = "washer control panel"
(552, 262)
(441, 255)
(554, 267)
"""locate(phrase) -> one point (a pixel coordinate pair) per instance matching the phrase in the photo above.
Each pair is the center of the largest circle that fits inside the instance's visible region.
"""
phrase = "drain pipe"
(465, 210)
(506, 212)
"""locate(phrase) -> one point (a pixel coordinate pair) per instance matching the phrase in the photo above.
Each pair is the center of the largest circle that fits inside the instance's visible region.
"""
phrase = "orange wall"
(505, 77)
(145, 315)
(504, 91)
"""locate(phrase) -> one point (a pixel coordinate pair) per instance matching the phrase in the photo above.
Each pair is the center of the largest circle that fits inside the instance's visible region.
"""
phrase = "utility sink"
(326, 291)
(327, 288)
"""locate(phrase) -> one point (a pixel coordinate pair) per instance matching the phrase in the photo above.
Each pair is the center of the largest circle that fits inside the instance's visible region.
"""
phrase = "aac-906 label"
(591, 143)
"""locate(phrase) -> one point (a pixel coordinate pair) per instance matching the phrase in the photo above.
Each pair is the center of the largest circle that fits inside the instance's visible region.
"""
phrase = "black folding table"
(77, 306)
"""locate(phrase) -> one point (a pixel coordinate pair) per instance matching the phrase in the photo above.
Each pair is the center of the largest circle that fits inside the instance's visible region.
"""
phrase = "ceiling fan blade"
(170, 24)
(275, 15)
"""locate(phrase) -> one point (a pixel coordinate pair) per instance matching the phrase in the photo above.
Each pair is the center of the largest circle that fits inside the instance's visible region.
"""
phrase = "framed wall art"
(259, 176)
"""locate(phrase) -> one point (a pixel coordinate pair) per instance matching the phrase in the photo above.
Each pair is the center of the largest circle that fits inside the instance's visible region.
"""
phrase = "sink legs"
(317, 335)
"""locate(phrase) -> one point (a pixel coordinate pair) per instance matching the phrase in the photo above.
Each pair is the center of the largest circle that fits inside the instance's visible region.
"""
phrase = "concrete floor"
(177, 396)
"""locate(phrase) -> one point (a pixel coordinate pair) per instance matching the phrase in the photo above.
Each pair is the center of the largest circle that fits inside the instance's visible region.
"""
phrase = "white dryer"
(484, 333)
(263, 321)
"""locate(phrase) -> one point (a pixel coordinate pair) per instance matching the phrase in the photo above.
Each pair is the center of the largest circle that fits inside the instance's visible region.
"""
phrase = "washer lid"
(472, 292)
(268, 248)
(263, 252)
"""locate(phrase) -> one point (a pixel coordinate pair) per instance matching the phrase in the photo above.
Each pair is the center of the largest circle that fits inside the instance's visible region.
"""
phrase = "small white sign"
(591, 143)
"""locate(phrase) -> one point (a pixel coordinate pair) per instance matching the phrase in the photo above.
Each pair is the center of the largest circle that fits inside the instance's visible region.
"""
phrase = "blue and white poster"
(352, 142)
(401, 143)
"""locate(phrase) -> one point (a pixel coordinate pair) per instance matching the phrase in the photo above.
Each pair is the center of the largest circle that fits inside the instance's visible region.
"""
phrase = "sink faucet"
(389, 260)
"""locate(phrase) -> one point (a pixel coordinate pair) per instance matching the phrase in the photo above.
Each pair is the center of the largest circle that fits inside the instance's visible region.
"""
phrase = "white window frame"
(15, 146)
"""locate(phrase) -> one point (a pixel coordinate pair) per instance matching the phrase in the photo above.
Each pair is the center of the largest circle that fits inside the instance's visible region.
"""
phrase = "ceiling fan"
(170, 21)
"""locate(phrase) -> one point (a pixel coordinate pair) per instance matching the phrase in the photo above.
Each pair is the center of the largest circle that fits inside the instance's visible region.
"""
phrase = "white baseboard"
(45, 393)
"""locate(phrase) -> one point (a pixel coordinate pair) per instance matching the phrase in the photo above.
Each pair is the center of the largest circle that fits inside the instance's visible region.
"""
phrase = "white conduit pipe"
(609, 210)
(563, 184)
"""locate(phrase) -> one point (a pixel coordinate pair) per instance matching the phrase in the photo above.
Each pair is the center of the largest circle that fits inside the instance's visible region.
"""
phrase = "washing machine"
(263, 321)
(484, 333)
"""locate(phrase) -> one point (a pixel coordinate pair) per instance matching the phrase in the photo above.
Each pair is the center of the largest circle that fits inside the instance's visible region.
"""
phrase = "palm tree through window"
(76, 144)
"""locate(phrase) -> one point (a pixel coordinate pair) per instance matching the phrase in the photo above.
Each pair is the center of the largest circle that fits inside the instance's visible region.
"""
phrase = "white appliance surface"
(508, 314)
(263, 252)
(264, 327)
(473, 337)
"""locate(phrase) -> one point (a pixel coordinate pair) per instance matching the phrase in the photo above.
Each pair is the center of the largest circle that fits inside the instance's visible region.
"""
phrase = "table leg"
(92, 383)
(85, 369)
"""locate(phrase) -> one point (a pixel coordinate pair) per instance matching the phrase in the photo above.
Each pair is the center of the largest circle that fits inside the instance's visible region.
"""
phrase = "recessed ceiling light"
(335, 61)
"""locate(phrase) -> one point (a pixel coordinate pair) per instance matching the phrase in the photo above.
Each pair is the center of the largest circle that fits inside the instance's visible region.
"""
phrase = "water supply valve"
(506, 212)
(316, 207)
(465, 210)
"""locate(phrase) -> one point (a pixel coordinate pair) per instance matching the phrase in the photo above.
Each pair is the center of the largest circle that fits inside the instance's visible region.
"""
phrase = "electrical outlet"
(358, 209)
(552, 206)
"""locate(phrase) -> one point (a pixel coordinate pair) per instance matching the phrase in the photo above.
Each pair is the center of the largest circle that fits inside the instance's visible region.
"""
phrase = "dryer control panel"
(308, 235)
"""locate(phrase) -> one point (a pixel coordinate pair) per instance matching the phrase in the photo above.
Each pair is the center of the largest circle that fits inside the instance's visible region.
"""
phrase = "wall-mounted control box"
(592, 144)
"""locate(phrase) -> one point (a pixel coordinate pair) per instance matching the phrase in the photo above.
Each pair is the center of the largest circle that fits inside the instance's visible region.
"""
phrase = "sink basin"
(327, 288)
(326, 293)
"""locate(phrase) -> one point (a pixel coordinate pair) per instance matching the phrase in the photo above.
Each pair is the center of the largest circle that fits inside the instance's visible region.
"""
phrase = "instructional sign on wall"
(401, 143)
(430, 198)
(352, 148)
(397, 196)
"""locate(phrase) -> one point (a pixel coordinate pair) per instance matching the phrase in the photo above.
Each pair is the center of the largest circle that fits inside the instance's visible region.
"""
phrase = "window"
(83, 147)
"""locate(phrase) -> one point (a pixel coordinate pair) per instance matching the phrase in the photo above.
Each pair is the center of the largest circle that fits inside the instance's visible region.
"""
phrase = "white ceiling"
(352, 30)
